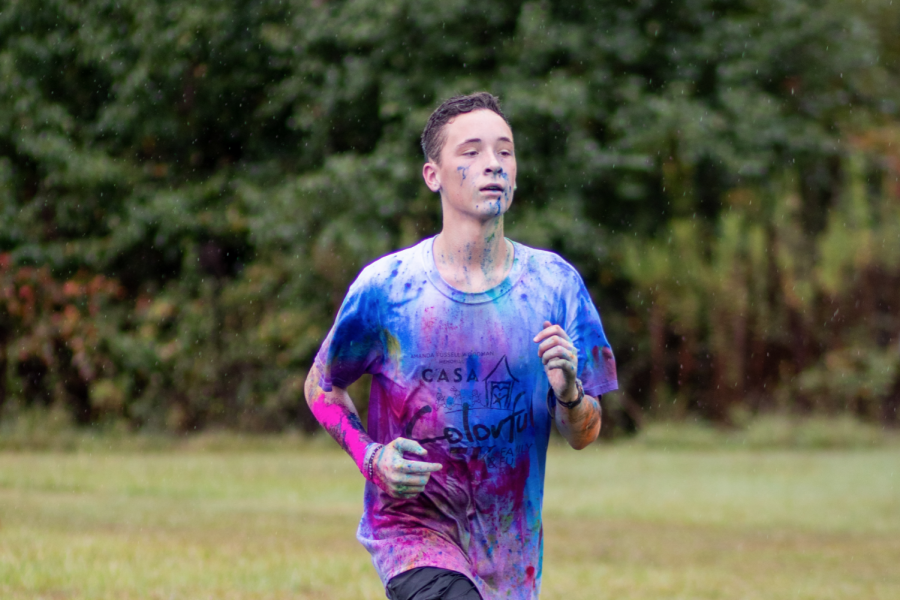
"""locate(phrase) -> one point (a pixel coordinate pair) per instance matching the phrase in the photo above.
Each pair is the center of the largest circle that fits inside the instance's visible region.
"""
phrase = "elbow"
(585, 437)
(311, 385)
(582, 442)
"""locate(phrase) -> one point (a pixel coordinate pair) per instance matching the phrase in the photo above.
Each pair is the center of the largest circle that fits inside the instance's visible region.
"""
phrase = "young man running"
(475, 344)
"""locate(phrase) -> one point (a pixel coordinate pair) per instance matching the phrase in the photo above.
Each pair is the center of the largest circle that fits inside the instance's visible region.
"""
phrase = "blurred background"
(188, 188)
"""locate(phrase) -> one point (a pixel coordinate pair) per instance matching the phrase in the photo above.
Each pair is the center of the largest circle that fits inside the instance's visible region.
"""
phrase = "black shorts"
(431, 583)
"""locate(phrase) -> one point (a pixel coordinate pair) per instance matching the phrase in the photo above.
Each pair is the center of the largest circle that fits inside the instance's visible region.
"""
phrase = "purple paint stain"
(464, 388)
(609, 363)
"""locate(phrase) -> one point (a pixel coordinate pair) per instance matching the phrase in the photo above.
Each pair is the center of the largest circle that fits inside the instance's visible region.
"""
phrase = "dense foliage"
(723, 173)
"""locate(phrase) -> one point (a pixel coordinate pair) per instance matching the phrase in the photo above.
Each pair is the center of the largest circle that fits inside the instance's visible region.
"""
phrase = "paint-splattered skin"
(462, 375)
(394, 474)
(580, 424)
(476, 178)
(447, 329)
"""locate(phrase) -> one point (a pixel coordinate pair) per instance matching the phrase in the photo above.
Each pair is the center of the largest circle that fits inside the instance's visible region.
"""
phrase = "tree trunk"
(76, 389)
(890, 407)
(657, 350)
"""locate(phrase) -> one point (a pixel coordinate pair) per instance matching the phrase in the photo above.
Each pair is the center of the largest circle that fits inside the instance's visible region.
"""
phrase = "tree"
(233, 164)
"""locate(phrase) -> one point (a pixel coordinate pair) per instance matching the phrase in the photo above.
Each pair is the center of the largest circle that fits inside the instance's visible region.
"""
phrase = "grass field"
(621, 521)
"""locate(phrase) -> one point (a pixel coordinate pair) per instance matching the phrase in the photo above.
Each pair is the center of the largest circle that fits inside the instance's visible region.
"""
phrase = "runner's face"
(477, 174)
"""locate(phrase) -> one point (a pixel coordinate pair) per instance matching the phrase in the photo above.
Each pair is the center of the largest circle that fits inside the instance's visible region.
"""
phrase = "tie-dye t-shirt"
(459, 373)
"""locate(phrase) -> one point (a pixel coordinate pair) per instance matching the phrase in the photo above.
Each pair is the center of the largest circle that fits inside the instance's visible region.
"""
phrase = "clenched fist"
(399, 477)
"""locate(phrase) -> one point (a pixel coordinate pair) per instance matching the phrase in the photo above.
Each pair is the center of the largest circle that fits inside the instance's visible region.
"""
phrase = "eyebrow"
(478, 140)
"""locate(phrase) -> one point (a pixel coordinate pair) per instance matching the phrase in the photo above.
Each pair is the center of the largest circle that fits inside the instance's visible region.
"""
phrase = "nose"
(493, 166)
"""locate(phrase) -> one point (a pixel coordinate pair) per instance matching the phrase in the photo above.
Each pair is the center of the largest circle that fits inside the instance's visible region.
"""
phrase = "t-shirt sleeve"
(354, 346)
(596, 363)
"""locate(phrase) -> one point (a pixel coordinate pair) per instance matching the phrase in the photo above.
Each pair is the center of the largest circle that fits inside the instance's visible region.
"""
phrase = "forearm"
(580, 425)
(335, 411)
(577, 419)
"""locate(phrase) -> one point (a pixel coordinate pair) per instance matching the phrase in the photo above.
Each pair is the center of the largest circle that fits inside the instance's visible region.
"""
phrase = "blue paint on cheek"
(506, 195)
(462, 171)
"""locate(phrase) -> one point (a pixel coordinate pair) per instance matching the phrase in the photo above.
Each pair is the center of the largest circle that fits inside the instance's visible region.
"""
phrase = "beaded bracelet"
(369, 460)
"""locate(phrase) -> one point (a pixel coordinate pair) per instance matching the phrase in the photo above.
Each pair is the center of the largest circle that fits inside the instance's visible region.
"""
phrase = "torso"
(459, 373)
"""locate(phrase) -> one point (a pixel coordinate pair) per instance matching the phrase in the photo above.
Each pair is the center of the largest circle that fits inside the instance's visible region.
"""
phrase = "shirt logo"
(482, 420)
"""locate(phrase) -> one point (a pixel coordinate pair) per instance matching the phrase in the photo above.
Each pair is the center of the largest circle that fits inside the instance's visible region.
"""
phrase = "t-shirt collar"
(431, 271)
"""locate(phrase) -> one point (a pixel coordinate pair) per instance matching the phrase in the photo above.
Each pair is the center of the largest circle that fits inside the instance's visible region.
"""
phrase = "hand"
(560, 361)
(399, 477)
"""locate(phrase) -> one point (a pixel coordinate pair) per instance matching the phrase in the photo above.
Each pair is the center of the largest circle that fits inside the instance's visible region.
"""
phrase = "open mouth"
(494, 187)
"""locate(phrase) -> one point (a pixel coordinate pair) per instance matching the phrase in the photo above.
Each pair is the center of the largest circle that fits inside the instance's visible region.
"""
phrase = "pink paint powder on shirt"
(459, 374)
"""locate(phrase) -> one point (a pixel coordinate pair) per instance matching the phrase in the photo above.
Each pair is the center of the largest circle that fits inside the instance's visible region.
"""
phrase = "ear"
(431, 176)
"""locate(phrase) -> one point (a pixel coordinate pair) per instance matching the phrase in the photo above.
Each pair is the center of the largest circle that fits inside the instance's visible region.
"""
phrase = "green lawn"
(621, 522)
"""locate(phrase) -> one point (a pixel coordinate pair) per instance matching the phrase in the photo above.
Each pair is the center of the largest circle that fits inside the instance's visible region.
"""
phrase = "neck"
(471, 255)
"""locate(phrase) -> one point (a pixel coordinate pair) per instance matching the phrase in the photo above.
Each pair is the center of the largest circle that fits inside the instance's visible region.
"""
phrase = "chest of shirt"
(465, 375)
(433, 341)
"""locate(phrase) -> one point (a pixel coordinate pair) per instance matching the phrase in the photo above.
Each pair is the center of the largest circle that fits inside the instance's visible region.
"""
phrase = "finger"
(546, 332)
(415, 466)
(554, 341)
(395, 493)
(559, 363)
(409, 487)
(562, 333)
(405, 445)
(406, 479)
(550, 330)
(558, 352)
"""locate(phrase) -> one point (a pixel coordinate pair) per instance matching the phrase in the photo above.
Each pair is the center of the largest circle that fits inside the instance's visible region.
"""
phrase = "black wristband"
(552, 400)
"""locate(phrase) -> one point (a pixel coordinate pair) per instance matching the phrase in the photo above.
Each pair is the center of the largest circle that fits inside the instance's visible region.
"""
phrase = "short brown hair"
(433, 137)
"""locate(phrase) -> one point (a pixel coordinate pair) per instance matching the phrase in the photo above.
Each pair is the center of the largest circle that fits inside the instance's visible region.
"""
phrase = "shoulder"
(549, 267)
(389, 269)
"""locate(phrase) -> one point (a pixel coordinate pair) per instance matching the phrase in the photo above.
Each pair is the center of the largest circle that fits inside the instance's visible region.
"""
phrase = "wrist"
(576, 390)
(368, 463)
(574, 394)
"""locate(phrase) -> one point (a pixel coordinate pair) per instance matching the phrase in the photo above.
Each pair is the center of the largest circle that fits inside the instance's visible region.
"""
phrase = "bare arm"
(334, 410)
(580, 424)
